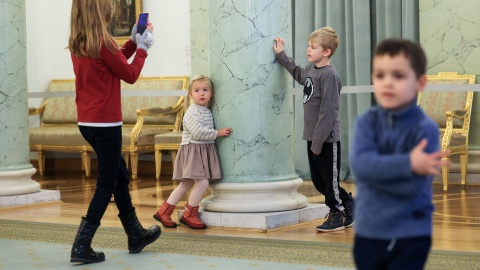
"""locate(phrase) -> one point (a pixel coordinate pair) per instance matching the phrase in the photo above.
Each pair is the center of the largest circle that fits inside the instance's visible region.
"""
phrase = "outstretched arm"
(297, 72)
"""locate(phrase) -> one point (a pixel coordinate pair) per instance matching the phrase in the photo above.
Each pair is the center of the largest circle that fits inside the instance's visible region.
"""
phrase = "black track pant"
(324, 170)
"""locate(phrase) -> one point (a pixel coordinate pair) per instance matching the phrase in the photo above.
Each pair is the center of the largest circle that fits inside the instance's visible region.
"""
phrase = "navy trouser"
(324, 170)
(112, 171)
(401, 254)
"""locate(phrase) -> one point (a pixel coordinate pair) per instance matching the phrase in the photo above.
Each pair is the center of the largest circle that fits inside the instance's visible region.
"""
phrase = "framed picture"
(124, 17)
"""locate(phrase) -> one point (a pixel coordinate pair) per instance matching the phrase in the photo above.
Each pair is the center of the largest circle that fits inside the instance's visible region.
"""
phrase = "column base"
(255, 197)
(18, 182)
(262, 221)
(41, 196)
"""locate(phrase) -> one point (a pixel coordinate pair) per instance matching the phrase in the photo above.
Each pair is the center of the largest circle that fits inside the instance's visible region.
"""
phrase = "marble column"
(15, 167)
(199, 37)
(253, 96)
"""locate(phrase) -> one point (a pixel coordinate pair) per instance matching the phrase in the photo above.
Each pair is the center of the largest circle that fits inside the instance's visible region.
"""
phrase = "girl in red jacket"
(99, 65)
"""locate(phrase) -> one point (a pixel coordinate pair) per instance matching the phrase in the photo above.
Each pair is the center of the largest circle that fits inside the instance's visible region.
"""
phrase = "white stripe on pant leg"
(336, 191)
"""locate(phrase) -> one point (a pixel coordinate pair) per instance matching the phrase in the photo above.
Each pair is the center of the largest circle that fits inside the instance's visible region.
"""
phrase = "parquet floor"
(456, 218)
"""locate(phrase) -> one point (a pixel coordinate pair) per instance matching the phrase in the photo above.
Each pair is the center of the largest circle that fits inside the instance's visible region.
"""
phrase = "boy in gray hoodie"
(321, 98)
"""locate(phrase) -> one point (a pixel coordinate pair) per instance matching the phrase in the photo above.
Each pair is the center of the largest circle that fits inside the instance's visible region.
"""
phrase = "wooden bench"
(143, 118)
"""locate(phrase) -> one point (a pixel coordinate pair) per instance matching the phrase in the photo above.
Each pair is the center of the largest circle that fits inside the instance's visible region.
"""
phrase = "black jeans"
(324, 170)
(403, 253)
(112, 171)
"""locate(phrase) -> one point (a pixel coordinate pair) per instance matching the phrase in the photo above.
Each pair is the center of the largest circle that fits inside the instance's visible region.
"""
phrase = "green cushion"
(71, 136)
(59, 135)
(146, 136)
(174, 137)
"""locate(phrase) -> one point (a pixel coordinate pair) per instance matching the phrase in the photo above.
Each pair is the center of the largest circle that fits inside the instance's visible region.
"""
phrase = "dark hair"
(411, 50)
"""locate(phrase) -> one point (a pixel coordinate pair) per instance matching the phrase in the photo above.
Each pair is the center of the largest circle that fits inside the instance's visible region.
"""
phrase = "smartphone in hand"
(142, 23)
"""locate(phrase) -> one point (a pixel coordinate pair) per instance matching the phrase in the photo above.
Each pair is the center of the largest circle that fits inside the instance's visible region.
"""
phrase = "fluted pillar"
(252, 96)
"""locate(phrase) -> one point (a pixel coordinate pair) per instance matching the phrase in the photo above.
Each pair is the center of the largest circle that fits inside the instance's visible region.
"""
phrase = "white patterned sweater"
(198, 126)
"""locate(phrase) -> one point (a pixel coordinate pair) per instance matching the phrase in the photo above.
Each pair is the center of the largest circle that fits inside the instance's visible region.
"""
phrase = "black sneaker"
(349, 206)
(334, 222)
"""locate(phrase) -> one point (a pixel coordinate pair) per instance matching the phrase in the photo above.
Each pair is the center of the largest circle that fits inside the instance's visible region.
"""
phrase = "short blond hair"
(197, 78)
(327, 38)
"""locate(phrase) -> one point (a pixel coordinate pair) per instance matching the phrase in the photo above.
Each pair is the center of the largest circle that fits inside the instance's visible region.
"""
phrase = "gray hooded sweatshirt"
(321, 100)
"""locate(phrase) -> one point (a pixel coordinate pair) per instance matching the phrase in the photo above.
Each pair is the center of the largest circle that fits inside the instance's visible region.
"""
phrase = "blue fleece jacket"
(392, 201)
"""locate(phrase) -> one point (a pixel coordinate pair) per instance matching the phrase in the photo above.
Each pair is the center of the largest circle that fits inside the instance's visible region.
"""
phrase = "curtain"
(360, 25)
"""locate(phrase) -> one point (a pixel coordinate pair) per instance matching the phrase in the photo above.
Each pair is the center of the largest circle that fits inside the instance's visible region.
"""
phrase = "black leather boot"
(138, 237)
(81, 250)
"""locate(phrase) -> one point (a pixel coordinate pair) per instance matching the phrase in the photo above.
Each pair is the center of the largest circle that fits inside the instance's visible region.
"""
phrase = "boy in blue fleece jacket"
(395, 154)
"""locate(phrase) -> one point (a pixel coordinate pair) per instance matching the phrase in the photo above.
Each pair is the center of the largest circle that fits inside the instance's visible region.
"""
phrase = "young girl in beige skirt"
(197, 159)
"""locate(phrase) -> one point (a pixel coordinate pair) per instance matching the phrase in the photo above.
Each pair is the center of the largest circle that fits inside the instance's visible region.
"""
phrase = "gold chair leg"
(86, 163)
(174, 157)
(41, 162)
(126, 157)
(158, 163)
(445, 172)
(134, 161)
(83, 163)
(463, 169)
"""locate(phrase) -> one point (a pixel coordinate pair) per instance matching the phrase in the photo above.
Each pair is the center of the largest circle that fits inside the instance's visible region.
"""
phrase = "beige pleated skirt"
(196, 162)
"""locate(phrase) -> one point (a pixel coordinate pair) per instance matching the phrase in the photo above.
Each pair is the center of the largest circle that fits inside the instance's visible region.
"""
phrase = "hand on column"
(224, 132)
(279, 45)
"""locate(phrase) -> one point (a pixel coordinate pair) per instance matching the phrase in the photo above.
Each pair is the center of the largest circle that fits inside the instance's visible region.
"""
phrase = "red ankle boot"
(163, 215)
(190, 218)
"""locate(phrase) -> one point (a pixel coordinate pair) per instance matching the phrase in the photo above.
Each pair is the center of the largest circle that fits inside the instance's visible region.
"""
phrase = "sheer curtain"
(360, 24)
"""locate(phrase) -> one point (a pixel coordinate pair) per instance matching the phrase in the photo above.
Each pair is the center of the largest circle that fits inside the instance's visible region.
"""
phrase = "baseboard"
(75, 165)
(148, 167)
(473, 162)
(473, 169)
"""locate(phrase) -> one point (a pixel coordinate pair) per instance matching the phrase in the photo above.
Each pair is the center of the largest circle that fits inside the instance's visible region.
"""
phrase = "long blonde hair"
(88, 28)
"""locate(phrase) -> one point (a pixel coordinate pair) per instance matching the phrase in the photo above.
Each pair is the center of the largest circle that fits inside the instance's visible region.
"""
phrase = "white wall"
(171, 21)
(48, 29)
